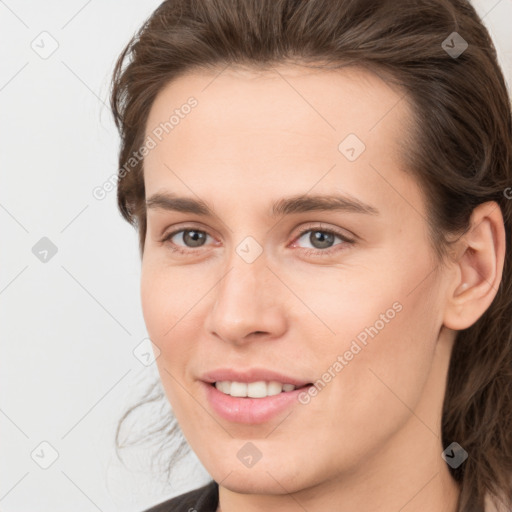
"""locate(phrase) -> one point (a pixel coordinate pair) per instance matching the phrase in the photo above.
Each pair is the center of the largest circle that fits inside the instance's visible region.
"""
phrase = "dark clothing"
(204, 499)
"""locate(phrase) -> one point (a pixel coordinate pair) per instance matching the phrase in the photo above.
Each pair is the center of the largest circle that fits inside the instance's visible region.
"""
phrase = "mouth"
(270, 402)
(258, 389)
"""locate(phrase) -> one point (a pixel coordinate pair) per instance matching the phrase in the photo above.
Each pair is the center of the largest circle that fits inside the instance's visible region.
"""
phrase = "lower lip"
(250, 410)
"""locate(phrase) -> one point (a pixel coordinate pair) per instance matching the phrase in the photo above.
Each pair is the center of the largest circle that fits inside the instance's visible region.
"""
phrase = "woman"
(322, 195)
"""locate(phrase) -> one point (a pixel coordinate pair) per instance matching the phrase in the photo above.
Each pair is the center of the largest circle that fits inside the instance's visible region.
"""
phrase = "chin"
(264, 480)
(257, 484)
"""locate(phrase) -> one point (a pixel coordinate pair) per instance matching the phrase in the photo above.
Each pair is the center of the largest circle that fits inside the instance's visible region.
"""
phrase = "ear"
(478, 258)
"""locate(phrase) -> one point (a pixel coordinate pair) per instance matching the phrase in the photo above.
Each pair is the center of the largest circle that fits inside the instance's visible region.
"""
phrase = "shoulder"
(203, 499)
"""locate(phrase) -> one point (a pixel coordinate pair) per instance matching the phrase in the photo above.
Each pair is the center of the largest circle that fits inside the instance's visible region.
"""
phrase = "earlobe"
(479, 268)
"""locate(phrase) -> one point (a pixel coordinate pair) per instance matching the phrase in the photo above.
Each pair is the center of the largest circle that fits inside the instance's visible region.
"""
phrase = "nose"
(248, 304)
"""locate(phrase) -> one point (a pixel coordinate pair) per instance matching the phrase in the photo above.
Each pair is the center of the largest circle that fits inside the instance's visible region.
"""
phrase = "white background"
(69, 326)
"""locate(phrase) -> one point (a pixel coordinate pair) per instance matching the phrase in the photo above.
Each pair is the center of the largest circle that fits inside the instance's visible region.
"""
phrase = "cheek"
(167, 294)
(165, 301)
(172, 301)
(384, 325)
(393, 359)
(152, 289)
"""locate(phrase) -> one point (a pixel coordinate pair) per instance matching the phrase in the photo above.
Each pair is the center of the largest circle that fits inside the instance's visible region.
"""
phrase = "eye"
(322, 240)
(191, 239)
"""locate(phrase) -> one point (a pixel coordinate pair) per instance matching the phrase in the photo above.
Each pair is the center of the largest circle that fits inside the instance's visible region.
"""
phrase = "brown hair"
(460, 152)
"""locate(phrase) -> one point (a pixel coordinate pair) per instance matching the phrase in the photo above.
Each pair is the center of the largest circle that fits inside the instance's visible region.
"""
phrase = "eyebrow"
(286, 206)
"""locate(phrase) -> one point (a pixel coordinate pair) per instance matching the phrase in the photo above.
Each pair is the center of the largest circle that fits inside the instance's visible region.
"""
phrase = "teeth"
(258, 389)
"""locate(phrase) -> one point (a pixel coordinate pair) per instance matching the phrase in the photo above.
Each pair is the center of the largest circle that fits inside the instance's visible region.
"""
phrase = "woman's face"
(318, 291)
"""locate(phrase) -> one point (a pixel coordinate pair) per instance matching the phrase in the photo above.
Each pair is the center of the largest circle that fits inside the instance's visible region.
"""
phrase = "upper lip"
(251, 375)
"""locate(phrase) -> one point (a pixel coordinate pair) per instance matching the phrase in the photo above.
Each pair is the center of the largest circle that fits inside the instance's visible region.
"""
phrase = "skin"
(371, 439)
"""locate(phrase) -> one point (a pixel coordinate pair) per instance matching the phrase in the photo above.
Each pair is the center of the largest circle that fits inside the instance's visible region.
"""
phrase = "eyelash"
(307, 252)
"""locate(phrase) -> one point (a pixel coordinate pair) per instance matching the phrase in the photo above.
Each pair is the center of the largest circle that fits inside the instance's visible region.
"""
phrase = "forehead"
(287, 127)
(323, 103)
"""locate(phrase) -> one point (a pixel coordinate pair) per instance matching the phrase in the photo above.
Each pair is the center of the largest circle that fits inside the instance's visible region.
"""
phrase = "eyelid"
(186, 226)
(319, 226)
(346, 241)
